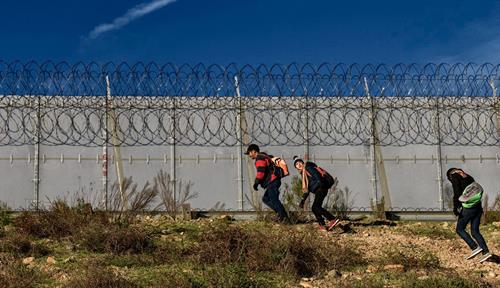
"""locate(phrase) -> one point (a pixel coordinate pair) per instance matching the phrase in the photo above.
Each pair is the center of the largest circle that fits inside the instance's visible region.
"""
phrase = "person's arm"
(305, 187)
(304, 198)
(305, 181)
(260, 165)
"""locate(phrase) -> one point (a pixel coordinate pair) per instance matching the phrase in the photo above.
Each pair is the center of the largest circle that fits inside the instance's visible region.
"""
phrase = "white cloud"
(478, 41)
(132, 14)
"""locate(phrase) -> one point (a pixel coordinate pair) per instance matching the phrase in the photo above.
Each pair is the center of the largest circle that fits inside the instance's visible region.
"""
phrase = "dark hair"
(448, 173)
(297, 159)
(252, 147)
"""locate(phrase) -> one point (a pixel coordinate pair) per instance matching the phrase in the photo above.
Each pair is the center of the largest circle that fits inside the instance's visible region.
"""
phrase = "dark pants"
(272, 199)
(472, 215)
(318, 210)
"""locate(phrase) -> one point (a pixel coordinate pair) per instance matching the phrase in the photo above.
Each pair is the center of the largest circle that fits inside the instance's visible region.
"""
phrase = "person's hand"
(301, 204)
(255, 187)
(457, 211)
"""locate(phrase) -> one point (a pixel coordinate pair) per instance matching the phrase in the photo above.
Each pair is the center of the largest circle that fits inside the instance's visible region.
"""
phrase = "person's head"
(452, 171)
(252, 151)
(298, 163)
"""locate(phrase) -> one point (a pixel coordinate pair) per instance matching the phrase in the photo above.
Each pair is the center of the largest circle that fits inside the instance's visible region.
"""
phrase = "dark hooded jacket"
(459, 183)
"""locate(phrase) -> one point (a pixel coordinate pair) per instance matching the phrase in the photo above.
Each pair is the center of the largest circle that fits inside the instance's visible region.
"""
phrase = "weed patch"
(59, 221)
(20, 245)
(95, 275)
(13, 274)
(433, 231)
(115, 239)
(410, 258)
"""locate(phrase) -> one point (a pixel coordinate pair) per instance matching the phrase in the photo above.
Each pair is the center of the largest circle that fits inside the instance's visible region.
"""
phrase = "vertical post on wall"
(239, 149)
(36, 160)
(439, 163)
(115, 137)
(105, 153)
(497, 105)
(173, 179)
(373, 160)
(306, 128)
(497, 112)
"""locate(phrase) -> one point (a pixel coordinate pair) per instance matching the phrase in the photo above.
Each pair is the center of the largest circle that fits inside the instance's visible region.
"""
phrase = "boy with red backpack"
(316, 180)
(269, 175)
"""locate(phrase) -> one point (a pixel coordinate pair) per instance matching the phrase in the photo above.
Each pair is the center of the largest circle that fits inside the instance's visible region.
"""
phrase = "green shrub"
(129, 260)
(4, 214)
(128, 240)
(301, 254)
(292, 195)
(115, 239)
(60, 220)
(19, 244)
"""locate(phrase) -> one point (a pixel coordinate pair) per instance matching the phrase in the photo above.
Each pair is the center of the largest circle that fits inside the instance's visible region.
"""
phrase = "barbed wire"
(152, 79)
(65, 104)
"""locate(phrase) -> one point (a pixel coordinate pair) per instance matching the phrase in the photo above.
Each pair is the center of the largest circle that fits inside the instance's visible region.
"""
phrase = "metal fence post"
(306, 128)
(36, 160)
(239, 150)
(496, 104)
(173, 179)
(439, 163)
(115, 139)
(373, 160)
(105, 166)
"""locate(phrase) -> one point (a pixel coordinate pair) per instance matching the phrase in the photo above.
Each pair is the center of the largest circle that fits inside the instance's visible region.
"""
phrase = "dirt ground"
(438, 239)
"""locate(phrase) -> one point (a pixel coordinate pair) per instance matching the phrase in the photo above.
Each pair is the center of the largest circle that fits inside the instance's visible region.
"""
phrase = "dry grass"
(409, 257)
(264, 249)
(21, 245)
(115, 239)
(59, 221)
(13, 274)
(97, 275)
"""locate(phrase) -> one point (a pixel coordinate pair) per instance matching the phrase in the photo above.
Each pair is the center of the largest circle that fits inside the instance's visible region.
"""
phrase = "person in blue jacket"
(317, 181)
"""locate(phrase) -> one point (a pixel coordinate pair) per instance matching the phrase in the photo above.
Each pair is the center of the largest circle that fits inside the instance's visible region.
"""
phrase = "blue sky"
(251, 32)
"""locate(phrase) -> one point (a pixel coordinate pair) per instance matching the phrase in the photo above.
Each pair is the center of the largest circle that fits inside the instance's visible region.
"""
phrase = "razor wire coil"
(66, 104)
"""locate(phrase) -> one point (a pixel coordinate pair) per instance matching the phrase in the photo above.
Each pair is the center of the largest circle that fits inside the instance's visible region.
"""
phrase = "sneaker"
(485, 257)
(474, 253)
(322, 228)
(333, 223)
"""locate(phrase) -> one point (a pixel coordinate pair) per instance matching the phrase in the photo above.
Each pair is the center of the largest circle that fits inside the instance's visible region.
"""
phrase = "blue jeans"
(272, 199)
(472, 215)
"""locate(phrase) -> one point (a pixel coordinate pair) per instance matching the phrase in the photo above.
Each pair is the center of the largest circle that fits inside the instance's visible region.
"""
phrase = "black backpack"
(327, 180)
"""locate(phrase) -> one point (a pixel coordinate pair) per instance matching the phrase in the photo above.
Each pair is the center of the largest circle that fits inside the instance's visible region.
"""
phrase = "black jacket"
(459, 183)
(313, 178)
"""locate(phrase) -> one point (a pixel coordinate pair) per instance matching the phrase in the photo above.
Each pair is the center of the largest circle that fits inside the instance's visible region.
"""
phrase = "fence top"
(200, 80)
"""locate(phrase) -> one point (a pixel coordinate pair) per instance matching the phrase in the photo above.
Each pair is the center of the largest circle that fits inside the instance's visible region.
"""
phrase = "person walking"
(467, 206)
(317, 181)
(268, 178)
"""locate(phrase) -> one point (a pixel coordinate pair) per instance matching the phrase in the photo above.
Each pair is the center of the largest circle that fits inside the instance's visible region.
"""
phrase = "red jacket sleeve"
(261, 166)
